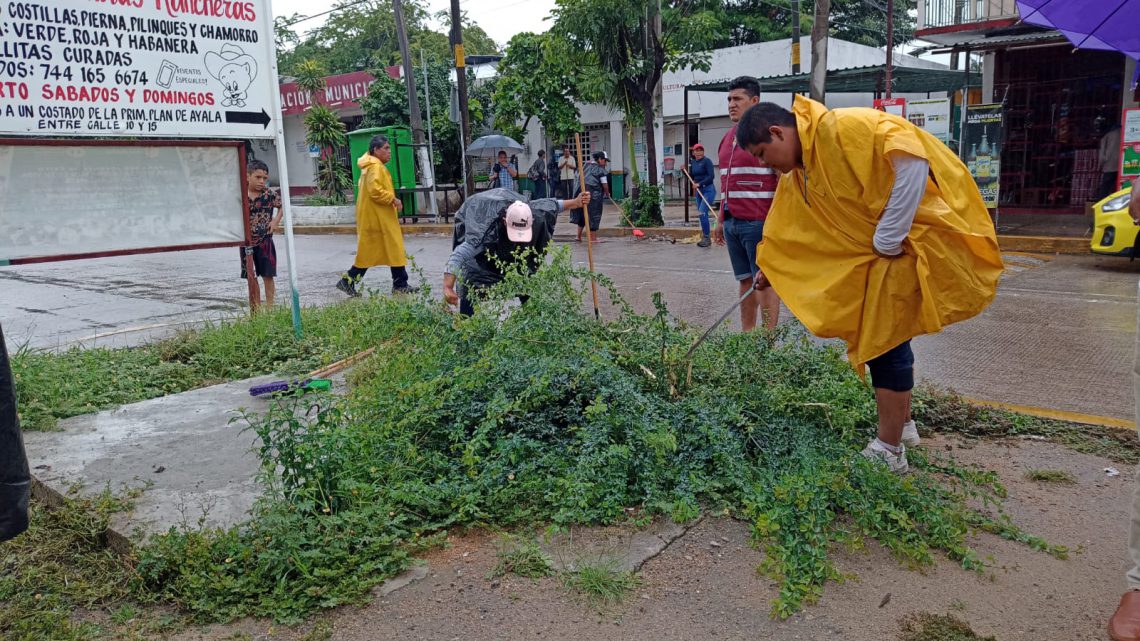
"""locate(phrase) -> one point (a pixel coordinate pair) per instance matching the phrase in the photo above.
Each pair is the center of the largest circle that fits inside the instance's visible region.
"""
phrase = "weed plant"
(536, 415)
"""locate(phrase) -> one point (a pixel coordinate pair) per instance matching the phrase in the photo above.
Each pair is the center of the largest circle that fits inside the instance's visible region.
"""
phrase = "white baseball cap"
(520, 222)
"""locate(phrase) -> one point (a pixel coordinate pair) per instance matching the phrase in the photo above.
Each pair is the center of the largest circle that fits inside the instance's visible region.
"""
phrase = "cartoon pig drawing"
(235, 69)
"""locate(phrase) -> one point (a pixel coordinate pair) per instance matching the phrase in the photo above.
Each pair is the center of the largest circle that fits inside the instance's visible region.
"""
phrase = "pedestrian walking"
(703, 173)
(880, 235)
(379, 240)
(492, 230)
(263, 202)
(568, 172)
(539, 175)
(747, 187)
(598, 185)
(504, 173)
(1125, 622)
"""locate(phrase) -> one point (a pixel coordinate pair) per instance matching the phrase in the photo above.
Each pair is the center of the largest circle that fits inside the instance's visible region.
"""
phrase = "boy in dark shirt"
(262, 221)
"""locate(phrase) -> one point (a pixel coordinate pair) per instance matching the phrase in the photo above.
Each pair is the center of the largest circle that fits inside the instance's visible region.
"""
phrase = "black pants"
(467, 308)
(399, 276)
(894, 370)
(15, 481)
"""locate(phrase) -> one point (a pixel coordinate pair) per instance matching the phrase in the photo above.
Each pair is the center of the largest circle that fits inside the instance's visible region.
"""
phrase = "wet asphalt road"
(1059, 336)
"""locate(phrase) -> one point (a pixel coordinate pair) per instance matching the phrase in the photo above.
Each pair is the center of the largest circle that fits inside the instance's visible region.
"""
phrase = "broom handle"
(586, 220)
(699, 193)
(333, 368)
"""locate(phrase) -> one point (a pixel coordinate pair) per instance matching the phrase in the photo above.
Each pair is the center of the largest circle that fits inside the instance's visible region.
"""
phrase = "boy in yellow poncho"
(877, 234)
(379, 240)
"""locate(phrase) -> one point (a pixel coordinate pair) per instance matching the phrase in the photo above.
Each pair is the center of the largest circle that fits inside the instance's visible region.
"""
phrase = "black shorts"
(894, 370)
(264, 259)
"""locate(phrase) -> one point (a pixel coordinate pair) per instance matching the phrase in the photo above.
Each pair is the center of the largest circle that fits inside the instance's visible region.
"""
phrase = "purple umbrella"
(1109, 25)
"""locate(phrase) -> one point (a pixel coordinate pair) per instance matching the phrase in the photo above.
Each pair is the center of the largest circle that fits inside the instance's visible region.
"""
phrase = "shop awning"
(861, 80)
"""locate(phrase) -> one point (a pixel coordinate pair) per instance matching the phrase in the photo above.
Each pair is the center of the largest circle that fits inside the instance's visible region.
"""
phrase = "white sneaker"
(910, 436)
(895, 462)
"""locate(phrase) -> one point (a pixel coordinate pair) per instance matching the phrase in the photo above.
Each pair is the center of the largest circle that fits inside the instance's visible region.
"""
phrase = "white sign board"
(68, 200)
(163, 68)
(931, 115)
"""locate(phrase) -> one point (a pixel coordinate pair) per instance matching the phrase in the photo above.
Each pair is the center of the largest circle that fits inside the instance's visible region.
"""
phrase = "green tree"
(387, 104)
(362, 37)
(324, 128)
(532, 83)
(623, 47)
(864, 21)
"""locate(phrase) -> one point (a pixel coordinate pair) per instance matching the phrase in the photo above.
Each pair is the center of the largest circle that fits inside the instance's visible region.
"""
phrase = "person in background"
(15, 477)
(504, 173)
(747, 188)
(1125, 622)
(538, 175)
(704, 183)
(598, 185)
(880, 235)
(1108, 156)
(379, 240)
(490, 229)
(263, 201)
(552, 176)
(567, 172)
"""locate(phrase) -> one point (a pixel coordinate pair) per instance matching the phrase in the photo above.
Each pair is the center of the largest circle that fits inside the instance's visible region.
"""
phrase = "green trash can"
(402, 166)
(617, 184)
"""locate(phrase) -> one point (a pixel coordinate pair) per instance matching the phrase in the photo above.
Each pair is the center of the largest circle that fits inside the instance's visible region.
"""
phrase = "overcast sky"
(501, 19)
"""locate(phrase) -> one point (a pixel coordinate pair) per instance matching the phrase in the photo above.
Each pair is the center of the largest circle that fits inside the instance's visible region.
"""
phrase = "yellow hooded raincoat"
(379, 240)
(817, 250)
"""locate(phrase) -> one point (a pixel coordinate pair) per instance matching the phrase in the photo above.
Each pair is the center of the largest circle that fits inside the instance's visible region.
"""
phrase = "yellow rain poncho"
(817, 250)
(379, 240)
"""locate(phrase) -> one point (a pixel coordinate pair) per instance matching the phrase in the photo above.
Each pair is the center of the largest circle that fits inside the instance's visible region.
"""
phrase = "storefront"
(1058, 105)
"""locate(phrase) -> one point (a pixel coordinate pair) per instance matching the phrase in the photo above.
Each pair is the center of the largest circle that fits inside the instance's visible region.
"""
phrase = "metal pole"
(965, 105)
(890, 47)
(795, 36)
(283, 170)
(687, 146)
(431, 138)
(461, 85)
(414, 116)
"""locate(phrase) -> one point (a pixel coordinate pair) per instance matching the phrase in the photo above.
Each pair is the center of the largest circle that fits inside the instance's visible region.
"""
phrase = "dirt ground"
(705, 584)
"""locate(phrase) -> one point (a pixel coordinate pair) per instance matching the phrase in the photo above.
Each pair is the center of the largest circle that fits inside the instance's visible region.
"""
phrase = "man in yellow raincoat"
(379, 240)
(878, 234)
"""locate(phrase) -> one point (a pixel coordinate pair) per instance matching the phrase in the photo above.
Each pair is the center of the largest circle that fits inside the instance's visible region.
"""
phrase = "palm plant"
(326, 131)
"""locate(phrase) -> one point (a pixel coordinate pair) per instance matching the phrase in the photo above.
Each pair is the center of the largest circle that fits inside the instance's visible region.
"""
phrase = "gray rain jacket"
(478, 238)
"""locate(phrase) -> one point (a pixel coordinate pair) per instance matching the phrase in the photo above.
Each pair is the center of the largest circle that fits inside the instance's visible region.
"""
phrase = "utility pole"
(795, 36)
(430, 137)
(890, 47)
(416, 119)
(819, 50)
(461, 86)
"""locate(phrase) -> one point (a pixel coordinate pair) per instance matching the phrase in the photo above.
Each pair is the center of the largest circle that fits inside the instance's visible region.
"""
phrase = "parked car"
(1114, 233)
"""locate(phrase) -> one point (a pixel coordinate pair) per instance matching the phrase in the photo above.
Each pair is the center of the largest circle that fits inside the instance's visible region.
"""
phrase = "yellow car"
(1114, 233)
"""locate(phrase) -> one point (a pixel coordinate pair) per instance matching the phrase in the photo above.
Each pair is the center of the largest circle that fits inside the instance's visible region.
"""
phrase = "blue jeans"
(709, 192)
(742, 237)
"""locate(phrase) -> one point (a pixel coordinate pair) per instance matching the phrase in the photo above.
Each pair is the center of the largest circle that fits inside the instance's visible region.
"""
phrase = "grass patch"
(59, 582)
(523, 557)
(945, 411)
(603, 585)
(1051, 476)
(543, 416)
(938, 627)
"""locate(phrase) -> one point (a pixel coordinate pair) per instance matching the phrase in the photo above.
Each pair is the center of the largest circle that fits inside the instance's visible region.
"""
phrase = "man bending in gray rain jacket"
(490, 228)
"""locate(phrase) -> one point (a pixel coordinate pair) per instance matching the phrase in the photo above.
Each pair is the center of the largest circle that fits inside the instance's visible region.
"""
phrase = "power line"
(323, 13)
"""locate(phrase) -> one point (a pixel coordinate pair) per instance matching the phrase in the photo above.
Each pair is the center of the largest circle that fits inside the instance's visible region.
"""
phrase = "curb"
(1032, 244)
(1060, 415)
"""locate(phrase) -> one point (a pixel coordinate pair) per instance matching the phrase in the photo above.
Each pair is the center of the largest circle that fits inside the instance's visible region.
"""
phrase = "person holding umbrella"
(504, 173)
(598, 184)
